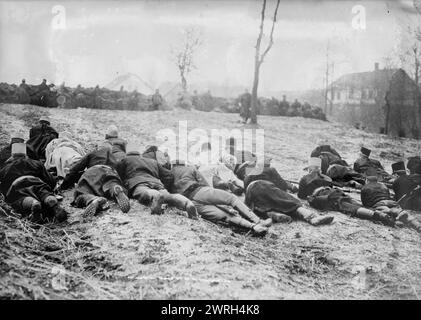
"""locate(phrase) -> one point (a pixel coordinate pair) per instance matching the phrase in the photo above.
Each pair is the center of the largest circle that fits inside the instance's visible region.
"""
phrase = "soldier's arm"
(165, 176)
(45, 176)
(75, 172)
(200, 178)
(121, 169)
(279, 182)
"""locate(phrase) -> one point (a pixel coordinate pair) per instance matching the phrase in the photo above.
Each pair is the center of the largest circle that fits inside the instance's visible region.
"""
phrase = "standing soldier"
(245, 104)
(295, 109)
(23, 93)
(283, 106)
(157, 100)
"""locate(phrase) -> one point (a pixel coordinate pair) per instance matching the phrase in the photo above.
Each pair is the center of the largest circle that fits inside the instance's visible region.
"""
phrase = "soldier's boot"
(94, 206)
(401, 216)
(60, 215)
(181, 202)
(312, 217)
(413, 223)
(279, 217)
(248, 214)
(121, 198)
(364, 213)
(57, 212)
(156, 204)
(384, 218)
(256, 228)
(34, 207)
(191, 210)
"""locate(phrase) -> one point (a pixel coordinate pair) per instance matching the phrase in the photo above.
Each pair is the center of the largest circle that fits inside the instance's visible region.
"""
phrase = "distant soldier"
(157, 100)
(307, 111)
(197, 102)
(245, 104)
(24, 86)
(295, 110)
(78, 90)
(41, 95)
(43, 86)
(96, 95)
(23, 93)
(283, 106)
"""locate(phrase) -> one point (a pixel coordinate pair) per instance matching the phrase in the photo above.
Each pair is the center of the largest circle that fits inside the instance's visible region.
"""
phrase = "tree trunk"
(183, 83)
(254, 101)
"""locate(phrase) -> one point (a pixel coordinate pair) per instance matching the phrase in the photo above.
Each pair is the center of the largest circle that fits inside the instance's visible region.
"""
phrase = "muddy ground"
(139, 256)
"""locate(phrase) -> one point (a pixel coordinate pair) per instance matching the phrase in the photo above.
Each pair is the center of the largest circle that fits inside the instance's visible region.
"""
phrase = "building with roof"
(382, 100)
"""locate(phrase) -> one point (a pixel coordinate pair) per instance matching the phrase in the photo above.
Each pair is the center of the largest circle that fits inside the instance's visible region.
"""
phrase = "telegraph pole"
(327, 77)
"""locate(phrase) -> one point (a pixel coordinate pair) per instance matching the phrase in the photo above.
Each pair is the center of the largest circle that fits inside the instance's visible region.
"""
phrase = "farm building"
(382, 100)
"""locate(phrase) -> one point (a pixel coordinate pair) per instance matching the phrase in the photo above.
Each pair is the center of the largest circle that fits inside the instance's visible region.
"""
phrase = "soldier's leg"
(91, 203)
(180, 202)
(54, 211)
(214, 214)
(149, 197)
(312, 217)
(368, 214)
(220, 197)
(279, 217)
(114, 190)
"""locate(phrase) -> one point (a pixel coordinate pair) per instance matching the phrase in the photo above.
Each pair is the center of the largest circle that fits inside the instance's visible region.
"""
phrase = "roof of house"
(375, 78)
(130, 81)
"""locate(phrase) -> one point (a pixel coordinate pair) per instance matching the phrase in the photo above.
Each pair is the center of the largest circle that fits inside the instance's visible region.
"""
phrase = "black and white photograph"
(226, 152)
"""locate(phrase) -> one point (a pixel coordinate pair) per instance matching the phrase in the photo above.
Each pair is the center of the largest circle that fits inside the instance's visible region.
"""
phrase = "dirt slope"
(139, 256)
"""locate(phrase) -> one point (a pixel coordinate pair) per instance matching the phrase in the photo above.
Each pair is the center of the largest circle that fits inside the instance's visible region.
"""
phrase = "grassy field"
(139, 256)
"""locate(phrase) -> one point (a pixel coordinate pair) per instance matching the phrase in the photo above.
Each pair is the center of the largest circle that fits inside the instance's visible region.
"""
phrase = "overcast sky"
(104, 39)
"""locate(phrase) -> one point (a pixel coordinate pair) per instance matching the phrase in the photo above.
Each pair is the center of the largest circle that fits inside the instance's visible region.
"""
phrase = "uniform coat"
(135, 170)
(37, 182)
(101, 156)
(404, 185)
(311, 182)
(39, 137)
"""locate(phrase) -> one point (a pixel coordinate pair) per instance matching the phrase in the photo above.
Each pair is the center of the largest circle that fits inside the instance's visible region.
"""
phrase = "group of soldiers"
(33, 176)
(278, 108)
(52, 96)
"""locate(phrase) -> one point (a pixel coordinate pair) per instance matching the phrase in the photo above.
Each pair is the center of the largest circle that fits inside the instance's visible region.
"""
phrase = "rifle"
(409, 194)
(335, 184)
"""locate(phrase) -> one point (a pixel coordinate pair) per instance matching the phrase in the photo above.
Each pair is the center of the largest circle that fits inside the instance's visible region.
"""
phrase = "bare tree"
(410, 52)
(183, 55)
(258, 60)
(330, 65)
